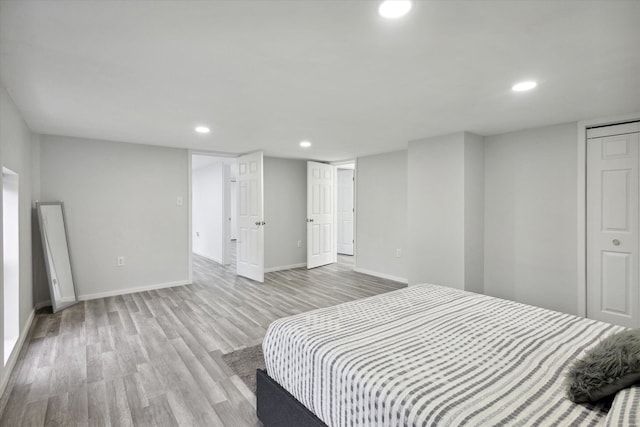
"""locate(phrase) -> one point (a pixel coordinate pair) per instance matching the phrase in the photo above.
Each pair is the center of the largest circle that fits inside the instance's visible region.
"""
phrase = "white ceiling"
(268, 74)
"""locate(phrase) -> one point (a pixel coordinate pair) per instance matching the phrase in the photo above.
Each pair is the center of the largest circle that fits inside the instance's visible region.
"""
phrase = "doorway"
(345, 213)
(212, 214)
(11, 260)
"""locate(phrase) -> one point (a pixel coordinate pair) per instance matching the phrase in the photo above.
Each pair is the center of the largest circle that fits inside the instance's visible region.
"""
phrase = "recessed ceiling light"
(524, 86)
(202, 129)
(305, 144)
(392, 9)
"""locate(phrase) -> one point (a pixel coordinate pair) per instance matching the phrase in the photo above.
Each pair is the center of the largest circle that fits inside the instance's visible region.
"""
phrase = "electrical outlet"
(398, 253)
(299, 243)
(120, 261)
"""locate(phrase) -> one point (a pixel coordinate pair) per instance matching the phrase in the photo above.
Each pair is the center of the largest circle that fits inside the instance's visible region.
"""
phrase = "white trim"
(611, 130)
(335, 214)
(8, 369)
(355, 212)
(132, 290)
(218, 260)
(581, 221)
(285, 267)
(581, 254)
(189, 215)
(213, 154)
(381, 275)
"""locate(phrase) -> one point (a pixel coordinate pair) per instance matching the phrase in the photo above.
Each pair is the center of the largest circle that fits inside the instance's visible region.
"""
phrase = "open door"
(226, 214)
(250, 242)
(321, 211)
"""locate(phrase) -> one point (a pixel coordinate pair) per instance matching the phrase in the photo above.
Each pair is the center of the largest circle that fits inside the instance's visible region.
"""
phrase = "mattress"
(432, 355)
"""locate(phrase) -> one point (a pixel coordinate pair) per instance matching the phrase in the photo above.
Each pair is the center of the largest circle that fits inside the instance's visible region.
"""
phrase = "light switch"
(179, 201)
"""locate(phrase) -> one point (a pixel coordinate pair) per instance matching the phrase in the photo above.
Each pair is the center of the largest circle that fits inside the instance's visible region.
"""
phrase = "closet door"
(612, 228)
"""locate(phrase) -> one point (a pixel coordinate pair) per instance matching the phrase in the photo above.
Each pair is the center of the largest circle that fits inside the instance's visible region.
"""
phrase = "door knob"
(257, 222)
(616, 242)
(310, 220)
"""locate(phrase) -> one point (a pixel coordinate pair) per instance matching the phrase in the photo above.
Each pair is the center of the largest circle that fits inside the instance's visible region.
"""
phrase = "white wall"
(474, 212)
(445, 201)
(436, 210)
(120, 199)
(530, 216)
(41, 293)
(207, 189)
(285, 213)
(381, 214)
(15, 154)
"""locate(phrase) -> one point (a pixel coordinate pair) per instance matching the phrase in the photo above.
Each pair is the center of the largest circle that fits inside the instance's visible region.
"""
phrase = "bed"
(430, 355)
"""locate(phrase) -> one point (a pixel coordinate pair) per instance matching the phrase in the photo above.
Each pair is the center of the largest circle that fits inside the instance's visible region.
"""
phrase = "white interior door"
(226, 214)
(321, 212)
(345, 211)
(612, 229)
(234, 208)
(250, 242)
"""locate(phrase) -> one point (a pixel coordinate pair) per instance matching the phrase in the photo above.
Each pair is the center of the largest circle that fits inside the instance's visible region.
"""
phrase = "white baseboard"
(117, 292)
(284, 267)
(15, 353)
(218, 260)
(381, 275)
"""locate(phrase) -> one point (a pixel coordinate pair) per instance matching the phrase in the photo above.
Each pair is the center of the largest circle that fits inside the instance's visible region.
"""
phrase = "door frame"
(582, 200)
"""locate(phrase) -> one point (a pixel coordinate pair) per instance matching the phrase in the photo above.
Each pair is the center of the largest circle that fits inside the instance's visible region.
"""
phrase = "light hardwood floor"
(154, 358)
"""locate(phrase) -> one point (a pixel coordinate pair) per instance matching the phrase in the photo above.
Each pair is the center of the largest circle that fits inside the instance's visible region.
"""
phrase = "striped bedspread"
(431, 355)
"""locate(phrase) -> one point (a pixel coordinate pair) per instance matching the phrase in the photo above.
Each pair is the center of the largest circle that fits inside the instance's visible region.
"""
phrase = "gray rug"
(244, 363)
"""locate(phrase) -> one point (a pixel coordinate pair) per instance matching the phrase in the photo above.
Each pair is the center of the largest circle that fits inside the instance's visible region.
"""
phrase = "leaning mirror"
(57, 258)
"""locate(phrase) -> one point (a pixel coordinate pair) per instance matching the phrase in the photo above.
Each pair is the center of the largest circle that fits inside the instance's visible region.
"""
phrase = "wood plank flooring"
(154, 358)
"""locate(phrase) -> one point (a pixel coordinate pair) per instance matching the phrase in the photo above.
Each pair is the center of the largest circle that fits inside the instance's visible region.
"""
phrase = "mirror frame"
(54, 304)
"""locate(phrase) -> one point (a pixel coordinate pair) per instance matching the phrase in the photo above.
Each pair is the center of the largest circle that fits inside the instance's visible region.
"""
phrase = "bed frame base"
(276, 407)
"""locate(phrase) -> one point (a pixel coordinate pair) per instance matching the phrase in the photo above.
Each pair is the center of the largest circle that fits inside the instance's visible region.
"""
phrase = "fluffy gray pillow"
(605, 369)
